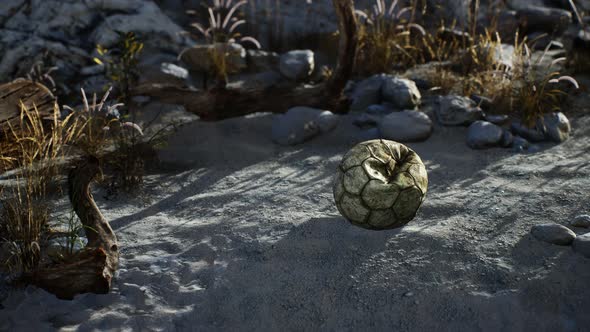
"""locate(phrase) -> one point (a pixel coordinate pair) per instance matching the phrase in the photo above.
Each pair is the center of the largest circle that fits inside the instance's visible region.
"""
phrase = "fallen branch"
(221, 103)
(90, 270)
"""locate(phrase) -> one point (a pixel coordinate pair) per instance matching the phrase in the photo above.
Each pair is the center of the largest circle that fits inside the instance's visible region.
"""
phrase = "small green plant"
(121, 62)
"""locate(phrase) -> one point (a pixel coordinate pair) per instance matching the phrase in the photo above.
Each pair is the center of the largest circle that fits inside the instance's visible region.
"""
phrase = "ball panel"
(355, 179)
(403, 180)
(393, 150)
(382, 219)
(353, 208)
(418, 172)
(354, 157)
(375, 169)
(379, 195)
(380, 152)
(407, 203)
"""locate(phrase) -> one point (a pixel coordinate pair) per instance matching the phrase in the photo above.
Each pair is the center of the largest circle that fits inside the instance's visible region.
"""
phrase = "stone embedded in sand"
(483, 134)
(554, 234)
(557, 127)
(380, 184)
(534, 134)
(405, 126)
(299, 124)
(582, 244)
(297, 64)
(582, 221)
(400, 92)
(457, 111)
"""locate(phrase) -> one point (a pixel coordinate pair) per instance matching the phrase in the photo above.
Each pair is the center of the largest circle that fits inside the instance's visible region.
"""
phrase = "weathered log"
(221, 102)
(31, 95)
(90, 270)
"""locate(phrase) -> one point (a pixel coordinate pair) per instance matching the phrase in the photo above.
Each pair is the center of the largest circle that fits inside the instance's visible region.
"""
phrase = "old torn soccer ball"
(380, 184)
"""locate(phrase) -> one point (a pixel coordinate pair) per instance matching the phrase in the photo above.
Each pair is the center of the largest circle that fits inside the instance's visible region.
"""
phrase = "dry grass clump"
(34, 151)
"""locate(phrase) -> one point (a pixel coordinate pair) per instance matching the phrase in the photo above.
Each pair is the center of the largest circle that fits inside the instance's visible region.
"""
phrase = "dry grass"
(35, 151)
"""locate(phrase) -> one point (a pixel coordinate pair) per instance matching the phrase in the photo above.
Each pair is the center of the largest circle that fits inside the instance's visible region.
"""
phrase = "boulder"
(483, 134)
(507, 139)
(300, 124)
(297, 65)
(366, 93)
(519, 144)
(582, 245)
(534, 134)
(400, 92)
(557, 127)
(546, 19)
(259, 60)
(457, 111)
(554, 234)
(582, 221)
(405, 126)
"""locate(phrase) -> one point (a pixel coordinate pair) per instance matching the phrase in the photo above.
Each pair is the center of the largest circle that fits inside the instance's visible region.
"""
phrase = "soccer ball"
(380, 184)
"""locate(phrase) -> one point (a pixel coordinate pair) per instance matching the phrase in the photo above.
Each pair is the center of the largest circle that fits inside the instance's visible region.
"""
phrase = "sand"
(241, 234)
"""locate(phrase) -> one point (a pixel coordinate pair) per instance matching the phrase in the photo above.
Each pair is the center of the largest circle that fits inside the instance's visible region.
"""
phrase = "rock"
(92, 70)
(497, 119)
(144, 18)
(582, 220)
(366, 120)
(554, 234)
(546, 19)
(259, 60)
(379, 110)
(256, 81)
(199, 57)
(366, 93)
(519, 144)
(582, 245)
(508, 23)
(582, 40)
(327, 121)
(507, 139)
(300, 124)
(535, 134)
(174, 70)
(368, 134)
(457, 111)
(483, 134)
(400, 92)
(297, 65)
(405, 126)
(557, 127)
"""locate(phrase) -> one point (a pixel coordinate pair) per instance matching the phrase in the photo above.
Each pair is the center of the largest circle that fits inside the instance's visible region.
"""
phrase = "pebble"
(553, 233)
(582, 221)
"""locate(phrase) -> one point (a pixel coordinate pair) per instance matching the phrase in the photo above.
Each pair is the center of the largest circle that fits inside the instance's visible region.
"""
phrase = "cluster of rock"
(565, 236)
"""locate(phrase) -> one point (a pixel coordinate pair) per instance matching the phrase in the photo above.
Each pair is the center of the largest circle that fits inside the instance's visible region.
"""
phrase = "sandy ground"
(241, 234)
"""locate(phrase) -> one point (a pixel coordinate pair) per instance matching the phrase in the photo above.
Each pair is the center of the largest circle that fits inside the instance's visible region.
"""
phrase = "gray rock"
(554, 234)
(482, 134)
(400, 92)
(92, 70)
(457, 111)
(405, 126)
(300, 124)
(366, 120)
(507, 139)
(366, 93)
(537, 18)
(535, 134)
(557, 127)
(497, 119)
(368, 134)
(297, 65)
(582, 220)
(519, 144)
(379, 110)
(582, 245)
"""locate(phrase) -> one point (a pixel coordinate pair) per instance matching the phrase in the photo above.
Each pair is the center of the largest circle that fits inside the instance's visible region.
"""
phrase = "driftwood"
(90, 270)
(31, 95)
(221, 102)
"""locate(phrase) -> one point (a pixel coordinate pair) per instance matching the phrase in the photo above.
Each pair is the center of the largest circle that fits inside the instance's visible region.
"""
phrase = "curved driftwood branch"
(91, 270)
(221, 103)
